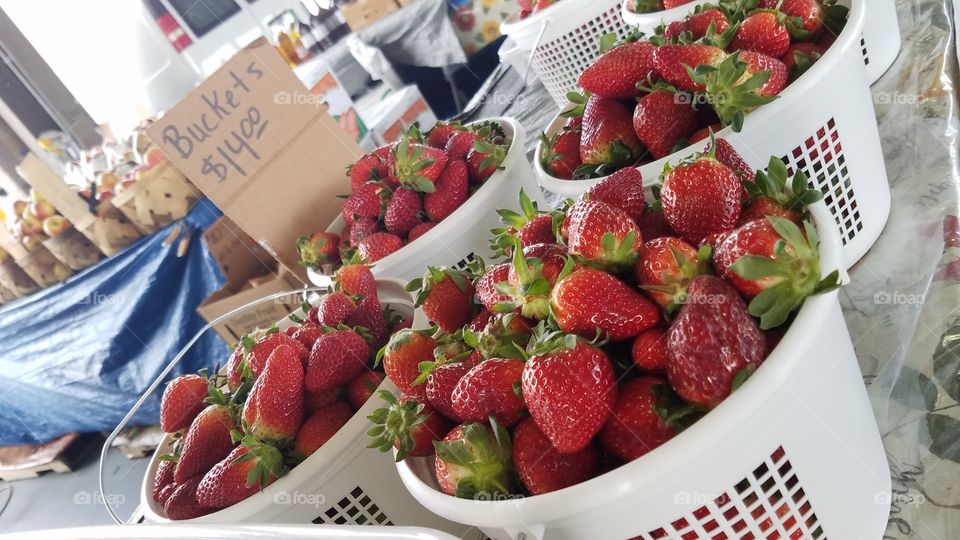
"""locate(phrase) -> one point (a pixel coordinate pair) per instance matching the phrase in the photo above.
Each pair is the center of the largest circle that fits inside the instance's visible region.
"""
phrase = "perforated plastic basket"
(823, 124)
(464, 235)
(793, 454)
(564, 39)
(342, 483)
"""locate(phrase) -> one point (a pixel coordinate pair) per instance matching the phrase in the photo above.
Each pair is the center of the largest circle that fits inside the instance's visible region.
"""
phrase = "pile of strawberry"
(402, 190)
(646, 99)
(615, 325)
(652, 6)
(280, 398)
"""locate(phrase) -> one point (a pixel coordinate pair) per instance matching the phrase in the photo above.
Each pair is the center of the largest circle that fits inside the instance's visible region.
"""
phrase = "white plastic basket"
(220, 532)
(342, 483)
(797, 445)
(464, 235)
(823, 124)
(648, 22)
(564, 39)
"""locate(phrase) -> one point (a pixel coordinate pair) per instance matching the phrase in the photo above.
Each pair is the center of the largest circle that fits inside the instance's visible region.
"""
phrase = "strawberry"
(377, 246)
(446, 297)
(569, 388)
(670, 4)
(314, 401)
(460, 144)
(504, 336)
(672, 61)
(666, 267)
(452, 189)
(701, 196)
(532, 276)
(616, 73)
(362, 387)
(362, 228)
(608, 137)
(355, 279)
(364, 171)
(769, 195)
(402, 356)
(206, 442)
(333, 309)
(765, 32)
(490, 389)
(369, 315)
(319, 249)
(589, 302)
(653, 224)
(251, 355)
(698, 23)
(479, 322)
(602, 235)
(728, 155)
(387, 169)
(740, 83)
(182, 401)
(419, 231)
(542, 468)
(805, 18)
(713, 344)
(163, 480)
(402, 213)
(182, 502)
(336, 359)
(441, 132)
(800, 57)
(443, 380)
(530, 226)
(406, 425)
(758, 63)
(307, 334)
(622, 189)
(319, 427)
(475, 461)
(486, 286)
(418, 166)
(649, 350)
(635, 427)
(561, 153)
(646, 6)
(704, 133)
(274, 408)
(484, 159)
(772, 264)
(367, 201)
(249, 469)
(663, 119)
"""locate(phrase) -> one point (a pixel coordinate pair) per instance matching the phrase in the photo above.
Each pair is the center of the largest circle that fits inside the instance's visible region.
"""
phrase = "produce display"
(281, 396)
(645, 99)
(612, 325)
(35, 220)
(402, 190)
(652, 6)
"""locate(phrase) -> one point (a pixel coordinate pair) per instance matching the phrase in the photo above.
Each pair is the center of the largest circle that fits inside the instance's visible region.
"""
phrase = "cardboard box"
(398, 111)
(360, 14)
(240, 258)
(262, 316)
(259, 145)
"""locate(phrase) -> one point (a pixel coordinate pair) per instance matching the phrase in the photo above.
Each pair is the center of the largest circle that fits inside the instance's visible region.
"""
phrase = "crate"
(161, 196)
(73, 249)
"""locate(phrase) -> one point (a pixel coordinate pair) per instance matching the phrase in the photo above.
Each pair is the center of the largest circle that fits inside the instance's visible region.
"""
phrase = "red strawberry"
(367, 201)
(355, 279)
(402, 212)
(764, 32)
(561, 153)
(274, 408)
(699, 23)
(728, 155)
(418, 166)
(251, 355)
(616, 73)
(769, 195)
(569, 390)
(336, 359)
(446, 297)
(713, 343)
(608, 137)
(314, 401)
(758, 63)
(419, 231)
(622, 189)
(653, 225)
(460, 144)
(701, 197)
(478, 323)
(407, 425)
(491, 389)
(665, 269)
(319, 427)
(364, 170)
(740, 83)
(588, 301)
(475, 460)
(387, 169)
(182, 501)
(662, 119)
(539, 230)
(377, 246)
(670, 4)
(443, 380)
(440, 134)
(542, 468)
(206, 442)
(308, 334)
(487, 286)
(672, 62)
(649, 350)
(673, 31)
(635, 428)
(319, 249)
(504, 336)
(452, 190)
(704, 133)
(163, 480)
(369, 315)
(800, 57)
(770, 261)
(532, 275)
(362, 387)
(811, 18)
(603, 235)
(484, 159)
(247, 471)
(333, 309)
(402, 356)
(182, 401)
(529, 226)
(361, 229)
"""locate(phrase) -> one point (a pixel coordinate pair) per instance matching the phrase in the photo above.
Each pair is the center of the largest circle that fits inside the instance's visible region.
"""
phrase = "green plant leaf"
(942, 437)
(915, 390)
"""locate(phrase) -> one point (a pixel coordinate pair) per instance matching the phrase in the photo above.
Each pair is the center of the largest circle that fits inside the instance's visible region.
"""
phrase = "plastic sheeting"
(77, 356)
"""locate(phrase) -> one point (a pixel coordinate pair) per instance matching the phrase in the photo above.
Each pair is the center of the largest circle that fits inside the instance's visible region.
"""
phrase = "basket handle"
(533, 51)
(166, 371)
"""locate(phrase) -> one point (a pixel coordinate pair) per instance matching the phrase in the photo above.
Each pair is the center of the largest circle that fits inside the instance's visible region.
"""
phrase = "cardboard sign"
(259, 145)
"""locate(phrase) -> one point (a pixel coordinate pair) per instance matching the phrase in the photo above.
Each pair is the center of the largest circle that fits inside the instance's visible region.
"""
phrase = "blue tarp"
(76, 357)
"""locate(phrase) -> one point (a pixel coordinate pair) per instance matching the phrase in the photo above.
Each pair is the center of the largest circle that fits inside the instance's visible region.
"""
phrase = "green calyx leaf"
(731, 90)
(394, 425)
(480, 461)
